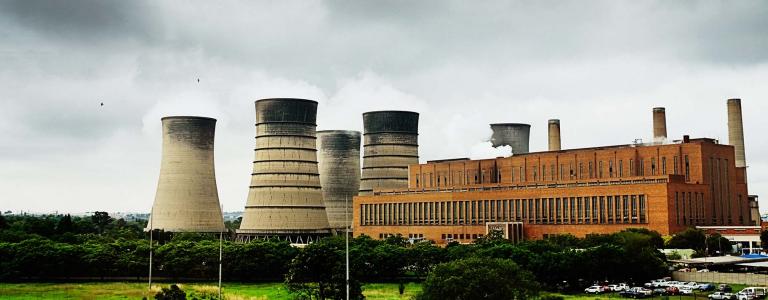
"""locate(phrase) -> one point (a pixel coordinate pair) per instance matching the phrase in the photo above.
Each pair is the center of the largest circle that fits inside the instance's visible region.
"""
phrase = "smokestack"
(659, 125)
(390, 144)
(515, 135)
(736, 131)
(338, 158)
(554, 135)
(285, 199)
(187, 199)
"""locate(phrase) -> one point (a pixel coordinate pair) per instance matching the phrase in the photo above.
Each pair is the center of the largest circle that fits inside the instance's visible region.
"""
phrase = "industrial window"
(634, 209)
(609, 209)
(587, 217)
(571, 214)
(687, 169)
(473, 218)
(664, 166)
(537, 216)
(621, 168)
(530, 211)
(581, 170)
(610, 168)
(617, 209)
(653, 166)
(641, 199)
(570, 170)
(602, 210)
(543, 173)
(550, 208)
(417, 181)
(560, 175)
(677, 208)
(535, 174)
(594, 209)
(674, 167)
(641, 169)
(631, 168)
(600, 169)
(590, 170)
(522, 174)
(690, 208)
(559, 208)
(625, 200)
(579, 210)
(552, 172)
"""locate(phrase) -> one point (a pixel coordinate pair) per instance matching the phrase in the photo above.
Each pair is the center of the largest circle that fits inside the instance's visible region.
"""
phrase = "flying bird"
(198, 80)
(102, 103)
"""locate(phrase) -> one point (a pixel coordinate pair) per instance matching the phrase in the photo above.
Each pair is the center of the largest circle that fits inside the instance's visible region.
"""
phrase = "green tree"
(3, 222)
(65, 225)
(172, 293)
(318, 272)
(101, 219)
(479, 278)
(690, 238)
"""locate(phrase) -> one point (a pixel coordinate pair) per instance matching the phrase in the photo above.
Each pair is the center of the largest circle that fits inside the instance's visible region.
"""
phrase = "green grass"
(233, 291)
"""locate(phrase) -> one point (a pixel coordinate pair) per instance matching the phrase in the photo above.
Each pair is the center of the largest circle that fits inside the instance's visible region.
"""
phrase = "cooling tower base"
(297, 237)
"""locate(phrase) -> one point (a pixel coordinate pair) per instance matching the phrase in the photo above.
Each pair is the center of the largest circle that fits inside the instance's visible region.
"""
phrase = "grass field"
(233, 291)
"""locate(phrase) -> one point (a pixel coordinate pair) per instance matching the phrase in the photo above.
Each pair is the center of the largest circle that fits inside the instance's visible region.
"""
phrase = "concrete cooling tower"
(338, 158)
(515, 135)
(187, 199)
(285, 199)
(390, 144)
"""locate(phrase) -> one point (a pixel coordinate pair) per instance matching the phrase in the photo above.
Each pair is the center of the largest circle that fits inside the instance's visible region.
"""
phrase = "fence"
(717, 277)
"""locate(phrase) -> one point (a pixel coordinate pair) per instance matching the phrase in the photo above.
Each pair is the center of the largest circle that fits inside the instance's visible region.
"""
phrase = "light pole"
(346, 236)
(151, 214)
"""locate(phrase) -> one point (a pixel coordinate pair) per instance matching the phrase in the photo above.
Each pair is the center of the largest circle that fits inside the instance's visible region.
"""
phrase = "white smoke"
(485, 150)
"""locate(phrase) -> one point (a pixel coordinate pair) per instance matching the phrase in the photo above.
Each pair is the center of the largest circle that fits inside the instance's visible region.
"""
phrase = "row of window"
(614, 209)
(539, 172)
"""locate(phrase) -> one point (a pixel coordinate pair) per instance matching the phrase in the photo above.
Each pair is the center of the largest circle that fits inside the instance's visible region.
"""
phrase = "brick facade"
(665, 188)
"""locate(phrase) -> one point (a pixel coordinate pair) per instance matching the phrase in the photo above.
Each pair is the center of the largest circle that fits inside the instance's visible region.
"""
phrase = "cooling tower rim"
(188, 117)
(340, 131)
(734, 100)
(391, 131)
(511, 124)
(659, 109)
(391, 111)
(209, 230)
(554, 121)
(286, 99)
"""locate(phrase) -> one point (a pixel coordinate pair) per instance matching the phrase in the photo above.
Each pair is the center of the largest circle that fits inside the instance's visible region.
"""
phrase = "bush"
(479, 278)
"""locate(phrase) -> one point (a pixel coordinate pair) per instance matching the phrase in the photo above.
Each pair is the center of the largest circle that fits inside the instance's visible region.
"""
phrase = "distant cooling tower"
(554, 134)
(285, 200)
(187, 199)
(390, 144)
(515, 135)
(736, 131)
(339, 162)
(659, 125)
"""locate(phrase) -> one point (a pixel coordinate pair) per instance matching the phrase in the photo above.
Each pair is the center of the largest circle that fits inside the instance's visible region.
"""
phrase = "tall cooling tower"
(390, 144)
(515, 135)
(338, 158)
(285, 199)
(187, 199)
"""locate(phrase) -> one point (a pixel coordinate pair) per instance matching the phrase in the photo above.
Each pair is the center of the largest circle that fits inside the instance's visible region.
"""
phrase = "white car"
(686, 290)
(595, 289)
(745, 296)
(620, 287)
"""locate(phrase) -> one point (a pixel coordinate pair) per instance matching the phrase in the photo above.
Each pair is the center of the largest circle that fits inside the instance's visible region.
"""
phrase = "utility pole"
(151, 214)
(346, 234)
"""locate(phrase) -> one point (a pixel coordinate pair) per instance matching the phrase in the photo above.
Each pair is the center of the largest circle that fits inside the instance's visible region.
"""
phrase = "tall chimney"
(554, 135)
(736, 131)
(659, 125)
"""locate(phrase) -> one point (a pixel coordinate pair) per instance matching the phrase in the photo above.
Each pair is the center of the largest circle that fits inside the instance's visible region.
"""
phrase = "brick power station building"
(663, 186)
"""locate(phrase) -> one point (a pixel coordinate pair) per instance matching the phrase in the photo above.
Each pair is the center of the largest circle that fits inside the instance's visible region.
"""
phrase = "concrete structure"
(187, 199)
(664, 187)
(390, 144)
(749, 279)
(285, 199)
(746, 239)
(659, 125)
(736, 131)
(553, 133)
(754, 211)
(515, 135)
(339, 163)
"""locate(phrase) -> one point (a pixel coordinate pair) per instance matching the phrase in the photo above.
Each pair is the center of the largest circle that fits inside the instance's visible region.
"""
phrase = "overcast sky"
(598, 66)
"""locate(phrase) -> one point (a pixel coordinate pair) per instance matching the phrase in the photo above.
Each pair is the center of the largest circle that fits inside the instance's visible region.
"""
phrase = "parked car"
(721, 296)
(621, 287)
(660, 291)
(758, 292)
(659, 282)
(745, 296)
(706, 287)
(686, 290)
(595, 289)
(724, 288)
(636, 292)
(673, 290)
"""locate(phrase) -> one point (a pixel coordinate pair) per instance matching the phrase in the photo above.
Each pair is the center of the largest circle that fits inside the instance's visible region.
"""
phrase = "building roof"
(724, 260)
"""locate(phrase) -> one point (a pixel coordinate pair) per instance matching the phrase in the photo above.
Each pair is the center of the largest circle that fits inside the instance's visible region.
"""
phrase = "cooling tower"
(736, 131)
(338, 159)
(285, 200)
(515, 135)
(659, 125)
(554, 134)
(390, 144)
(187, 199)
